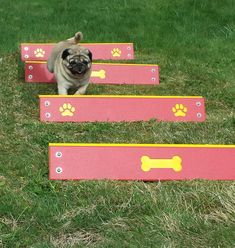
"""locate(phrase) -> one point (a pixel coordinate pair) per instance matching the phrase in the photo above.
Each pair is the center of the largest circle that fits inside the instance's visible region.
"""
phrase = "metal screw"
(30, 76)
(30, 67)
(47, 103)
(59, 170)
(26, 56)
(153, 70)
(199, 115)
(198, 104)
(48, 115)
(26, 48)
(58, 154)
(153, 79)
(129, 48)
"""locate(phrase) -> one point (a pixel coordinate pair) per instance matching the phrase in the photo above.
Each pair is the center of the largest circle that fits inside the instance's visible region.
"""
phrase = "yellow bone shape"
(173, 163)
(99, 74)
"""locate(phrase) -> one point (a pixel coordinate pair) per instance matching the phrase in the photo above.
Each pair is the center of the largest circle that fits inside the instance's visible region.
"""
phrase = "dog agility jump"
(101, 108)
(102, 73)
(146, 162)
(100, 51)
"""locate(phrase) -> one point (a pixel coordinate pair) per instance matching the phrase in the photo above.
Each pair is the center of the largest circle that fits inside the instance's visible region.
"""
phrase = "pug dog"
(71, 63)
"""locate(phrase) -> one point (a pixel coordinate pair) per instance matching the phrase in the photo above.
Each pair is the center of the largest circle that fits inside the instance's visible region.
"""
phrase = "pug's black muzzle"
(77, 67)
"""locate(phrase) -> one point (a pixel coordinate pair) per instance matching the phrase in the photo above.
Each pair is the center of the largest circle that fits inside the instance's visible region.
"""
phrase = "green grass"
(193, 42)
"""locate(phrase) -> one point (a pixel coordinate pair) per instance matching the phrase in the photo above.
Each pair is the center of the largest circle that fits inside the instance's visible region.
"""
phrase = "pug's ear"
(89, 54)
(65, 54)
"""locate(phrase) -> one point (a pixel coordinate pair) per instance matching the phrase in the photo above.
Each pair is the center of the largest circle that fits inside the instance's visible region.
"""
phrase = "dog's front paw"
(81, 90)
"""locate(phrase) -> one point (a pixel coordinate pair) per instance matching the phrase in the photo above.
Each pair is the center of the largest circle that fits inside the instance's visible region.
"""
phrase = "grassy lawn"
(193, 43)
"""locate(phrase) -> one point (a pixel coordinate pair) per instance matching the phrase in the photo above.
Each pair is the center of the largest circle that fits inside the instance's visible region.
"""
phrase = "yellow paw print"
(116, 52)
(179, 110)
(67, 109)
(39, 53)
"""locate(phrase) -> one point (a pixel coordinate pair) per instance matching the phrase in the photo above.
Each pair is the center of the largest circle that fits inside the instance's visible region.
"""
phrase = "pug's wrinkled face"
(77, 61)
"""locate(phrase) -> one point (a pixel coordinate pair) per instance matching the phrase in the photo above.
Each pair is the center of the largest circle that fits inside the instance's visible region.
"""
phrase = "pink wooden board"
(102, 73)
(100, 51)
(120, 108)
(128, 162)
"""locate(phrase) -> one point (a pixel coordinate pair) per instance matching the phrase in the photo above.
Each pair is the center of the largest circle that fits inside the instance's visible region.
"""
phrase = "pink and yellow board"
(100, 51)
(103, 108)
(141, 162)
(102, 73)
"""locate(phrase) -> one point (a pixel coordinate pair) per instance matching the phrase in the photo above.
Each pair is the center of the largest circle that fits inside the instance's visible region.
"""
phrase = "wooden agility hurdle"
(100, 51)
(146, 162)
(102, 73)
(102, 108)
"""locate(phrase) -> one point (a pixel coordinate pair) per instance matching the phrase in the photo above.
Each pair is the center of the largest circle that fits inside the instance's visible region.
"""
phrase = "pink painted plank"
(128, 162)
(100, 51)
(102, 73)
(121, 108)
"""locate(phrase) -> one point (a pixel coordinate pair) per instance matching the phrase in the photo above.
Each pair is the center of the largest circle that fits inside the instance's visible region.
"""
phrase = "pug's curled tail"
(78, 37)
